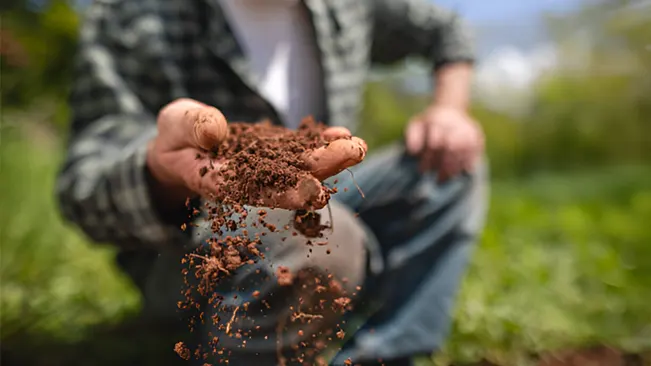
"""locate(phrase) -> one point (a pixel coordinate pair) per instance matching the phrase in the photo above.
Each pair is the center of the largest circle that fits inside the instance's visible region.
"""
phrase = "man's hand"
(445, 139)
(187, 128)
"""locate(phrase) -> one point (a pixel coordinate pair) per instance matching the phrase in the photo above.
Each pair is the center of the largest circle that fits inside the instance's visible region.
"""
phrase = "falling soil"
(256, 164)
(309, 224)
(182, 350)
(261, 158)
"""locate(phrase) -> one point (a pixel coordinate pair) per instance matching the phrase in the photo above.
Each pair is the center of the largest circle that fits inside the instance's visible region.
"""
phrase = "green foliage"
(385, 115)
(594, 109)
(54, 283)
(44, 44)
(564, 262)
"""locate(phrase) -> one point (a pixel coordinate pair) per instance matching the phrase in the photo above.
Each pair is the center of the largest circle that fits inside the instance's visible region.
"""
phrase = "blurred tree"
(37, 52)
(595, 108)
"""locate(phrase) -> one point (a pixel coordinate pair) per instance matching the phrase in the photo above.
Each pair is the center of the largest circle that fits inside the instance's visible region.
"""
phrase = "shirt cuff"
(133, 201)
(456, 45)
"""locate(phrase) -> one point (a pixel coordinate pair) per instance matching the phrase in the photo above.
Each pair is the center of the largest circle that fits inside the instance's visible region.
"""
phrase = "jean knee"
(338, 251)
(318, 275)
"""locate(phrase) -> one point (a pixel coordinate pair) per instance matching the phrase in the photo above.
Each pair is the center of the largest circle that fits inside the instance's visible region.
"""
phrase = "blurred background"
(563, 91)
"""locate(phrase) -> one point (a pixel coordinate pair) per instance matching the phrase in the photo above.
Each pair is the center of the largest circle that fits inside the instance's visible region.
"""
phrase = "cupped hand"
(446, 140)
(187, 128)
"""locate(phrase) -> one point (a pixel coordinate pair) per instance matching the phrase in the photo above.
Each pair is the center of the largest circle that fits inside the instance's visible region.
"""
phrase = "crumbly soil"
(309, 224)
(262, 156)
(259, 157)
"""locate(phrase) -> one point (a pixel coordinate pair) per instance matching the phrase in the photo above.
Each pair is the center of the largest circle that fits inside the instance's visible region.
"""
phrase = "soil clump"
(257, 165)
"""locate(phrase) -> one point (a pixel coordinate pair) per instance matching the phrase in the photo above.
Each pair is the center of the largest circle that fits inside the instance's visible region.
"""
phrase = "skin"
(444, 136)
(187, 128)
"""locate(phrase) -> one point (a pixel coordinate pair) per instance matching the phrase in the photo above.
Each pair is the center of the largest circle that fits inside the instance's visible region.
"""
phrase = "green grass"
(54, 284)
(565, 260)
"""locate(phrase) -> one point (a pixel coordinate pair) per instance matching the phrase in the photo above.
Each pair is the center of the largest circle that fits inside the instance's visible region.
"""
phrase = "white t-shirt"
(277, 38)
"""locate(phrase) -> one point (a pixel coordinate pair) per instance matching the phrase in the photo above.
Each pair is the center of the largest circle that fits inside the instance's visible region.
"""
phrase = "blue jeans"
(407, 250)
(424, 233)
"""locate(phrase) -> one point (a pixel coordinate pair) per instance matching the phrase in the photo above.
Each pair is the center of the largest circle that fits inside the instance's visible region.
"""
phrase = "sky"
(508, 22)
(512, 46)
(500, 10)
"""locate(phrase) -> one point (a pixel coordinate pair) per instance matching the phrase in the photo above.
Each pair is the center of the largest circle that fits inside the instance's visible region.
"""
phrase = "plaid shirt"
(137, 56)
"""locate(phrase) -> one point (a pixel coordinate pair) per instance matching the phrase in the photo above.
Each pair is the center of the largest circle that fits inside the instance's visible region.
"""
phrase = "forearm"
(453, 85)
(104, 190)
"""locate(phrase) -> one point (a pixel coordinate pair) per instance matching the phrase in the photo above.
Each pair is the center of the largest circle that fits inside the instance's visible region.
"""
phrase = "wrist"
(167, 198)
(453, 108)
(452, 86)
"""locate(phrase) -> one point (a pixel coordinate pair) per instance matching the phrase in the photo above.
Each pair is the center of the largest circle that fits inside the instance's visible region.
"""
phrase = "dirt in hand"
(256, 164)
(263, 157)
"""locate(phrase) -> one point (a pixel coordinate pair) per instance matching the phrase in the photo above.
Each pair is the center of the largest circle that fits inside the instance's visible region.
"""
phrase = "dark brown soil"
(263, 156)
(182, 350)
(308, 223)
(285, 277)
(255, 159)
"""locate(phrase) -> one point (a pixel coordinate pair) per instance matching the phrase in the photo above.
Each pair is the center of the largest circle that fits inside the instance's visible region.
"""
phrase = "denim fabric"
(416, 236)
(425, 233)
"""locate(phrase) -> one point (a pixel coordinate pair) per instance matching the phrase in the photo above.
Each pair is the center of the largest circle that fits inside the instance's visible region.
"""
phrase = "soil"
(597, 355)
(253, 161)
(182, 350)
(308, 223)
(263, 156)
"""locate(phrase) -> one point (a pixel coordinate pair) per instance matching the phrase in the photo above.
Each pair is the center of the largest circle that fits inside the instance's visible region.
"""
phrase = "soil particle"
(285, 277)
(181, 350)
(262, 156)
(308, 223)
(253, 161)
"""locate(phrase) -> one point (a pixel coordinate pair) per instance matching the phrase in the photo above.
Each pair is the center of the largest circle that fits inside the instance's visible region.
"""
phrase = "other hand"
(445, 139)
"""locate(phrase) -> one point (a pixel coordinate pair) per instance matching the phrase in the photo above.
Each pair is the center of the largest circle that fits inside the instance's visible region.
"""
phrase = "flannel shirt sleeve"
(403, 28)
(102, 187)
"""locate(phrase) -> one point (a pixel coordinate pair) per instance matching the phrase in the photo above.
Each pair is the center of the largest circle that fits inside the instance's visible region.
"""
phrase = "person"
(143, 66)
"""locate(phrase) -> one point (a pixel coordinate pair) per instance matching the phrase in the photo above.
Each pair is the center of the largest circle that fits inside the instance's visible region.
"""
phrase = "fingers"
(188, 123)
(337, 156)
(473, 151)
(434, 146)
(457, 152)
(336, 133)
(209, 127)
(448, 147)
(202, 176)
(308, 194)
(207, 178)
(415, 137)
(450, 160)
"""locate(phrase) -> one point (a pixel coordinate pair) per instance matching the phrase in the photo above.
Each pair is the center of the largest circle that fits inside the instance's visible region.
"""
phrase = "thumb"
(415, 136)
(193, 124)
